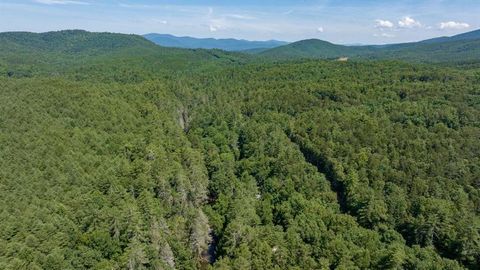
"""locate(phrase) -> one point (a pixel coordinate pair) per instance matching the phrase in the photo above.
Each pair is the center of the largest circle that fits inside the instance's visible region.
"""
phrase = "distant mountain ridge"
(459, 48)
(230, 44)
(23, 50)
(25, 54)
(465, 36)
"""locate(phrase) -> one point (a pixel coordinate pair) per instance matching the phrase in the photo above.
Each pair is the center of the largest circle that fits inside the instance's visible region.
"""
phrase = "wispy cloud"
(61, 2)
(454, 25)
(320, 29)
(218, 21)
(384, 35)
(215, 25)
(159, 21)
(135, 6)
(240, 16)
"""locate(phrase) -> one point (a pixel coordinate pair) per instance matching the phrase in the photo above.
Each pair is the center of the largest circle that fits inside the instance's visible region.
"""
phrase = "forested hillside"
(315, 49)
(134, 156)
(117, 56)
(461, 49)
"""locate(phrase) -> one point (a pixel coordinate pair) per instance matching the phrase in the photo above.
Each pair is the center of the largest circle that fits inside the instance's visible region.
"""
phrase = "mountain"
(72, 42)
(315, 48)
(26, 54)
(473, 35)
(211, 43)
(456, 49)
(448, 51)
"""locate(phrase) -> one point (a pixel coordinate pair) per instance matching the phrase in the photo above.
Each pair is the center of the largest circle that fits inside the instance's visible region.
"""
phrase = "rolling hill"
(449, 51)
(456, 49)
(211, 43)
(24, 54)
(473, 35)
(315, 48)
(71, 42)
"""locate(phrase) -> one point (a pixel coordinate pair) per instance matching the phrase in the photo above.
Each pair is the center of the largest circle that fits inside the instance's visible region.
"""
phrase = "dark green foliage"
(450, 52)
(72, 41)
(314, 48)
(457, 50)
(99, 172)
(398, 144)
(156, 158)
(100, 56)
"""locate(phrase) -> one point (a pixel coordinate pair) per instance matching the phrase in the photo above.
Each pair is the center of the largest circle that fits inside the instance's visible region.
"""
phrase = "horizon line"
(238, 39)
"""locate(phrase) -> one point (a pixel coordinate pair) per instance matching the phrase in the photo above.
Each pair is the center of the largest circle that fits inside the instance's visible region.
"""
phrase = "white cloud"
(383, 24)
(408, 22)
(60, 2)
(320, 29)
(453, 25)
(213, 28)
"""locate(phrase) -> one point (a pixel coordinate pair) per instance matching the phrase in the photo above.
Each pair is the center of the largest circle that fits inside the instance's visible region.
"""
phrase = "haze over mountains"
(461, 47)
(211, 43)
(458, 48)
(25, 54)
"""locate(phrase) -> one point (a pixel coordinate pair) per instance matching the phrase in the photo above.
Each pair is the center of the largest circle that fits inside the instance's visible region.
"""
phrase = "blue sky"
(345, 22)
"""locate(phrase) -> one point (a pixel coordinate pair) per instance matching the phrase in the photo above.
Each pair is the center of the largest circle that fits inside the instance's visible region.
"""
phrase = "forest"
(116, 153)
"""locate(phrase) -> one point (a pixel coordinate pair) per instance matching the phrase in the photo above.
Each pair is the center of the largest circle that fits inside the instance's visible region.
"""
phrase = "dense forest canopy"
(460, 50)
(119, 154)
